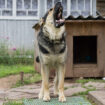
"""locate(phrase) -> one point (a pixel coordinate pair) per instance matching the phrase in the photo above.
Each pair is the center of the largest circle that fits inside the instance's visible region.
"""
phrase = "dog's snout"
(58, 4)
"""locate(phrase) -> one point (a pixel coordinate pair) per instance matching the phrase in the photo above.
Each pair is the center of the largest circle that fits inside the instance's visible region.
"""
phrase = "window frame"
(14, 17)
(92, 7)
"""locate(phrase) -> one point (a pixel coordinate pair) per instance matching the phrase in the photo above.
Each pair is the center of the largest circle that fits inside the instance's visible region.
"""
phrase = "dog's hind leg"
(45, 82)
(61, 75)
(56, 84)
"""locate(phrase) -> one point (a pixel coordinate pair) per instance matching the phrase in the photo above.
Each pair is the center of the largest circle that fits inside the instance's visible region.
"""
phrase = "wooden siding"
(20, 33)
(101, 6)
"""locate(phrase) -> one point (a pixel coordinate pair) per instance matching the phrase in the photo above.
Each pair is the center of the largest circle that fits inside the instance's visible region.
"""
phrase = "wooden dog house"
(86, 47)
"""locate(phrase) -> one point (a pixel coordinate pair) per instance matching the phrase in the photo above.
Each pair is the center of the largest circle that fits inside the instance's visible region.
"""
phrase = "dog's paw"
(62, 98)
(40, 96)
(46, 98)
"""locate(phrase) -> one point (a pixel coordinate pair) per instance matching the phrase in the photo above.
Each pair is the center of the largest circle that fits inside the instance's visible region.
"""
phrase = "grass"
(35, 77)
(14, 103)
(6, 70)
(83, 81)
(84, 93)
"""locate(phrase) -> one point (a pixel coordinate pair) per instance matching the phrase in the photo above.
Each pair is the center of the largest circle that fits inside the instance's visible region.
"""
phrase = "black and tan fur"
(52, 51)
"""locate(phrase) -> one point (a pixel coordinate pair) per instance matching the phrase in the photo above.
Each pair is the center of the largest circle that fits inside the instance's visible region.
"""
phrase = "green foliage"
(14, 103)
(6, 70)
(12, 55)
(85, 92)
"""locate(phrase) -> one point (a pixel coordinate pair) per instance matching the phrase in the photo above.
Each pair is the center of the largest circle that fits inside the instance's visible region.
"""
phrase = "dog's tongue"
(60, 21)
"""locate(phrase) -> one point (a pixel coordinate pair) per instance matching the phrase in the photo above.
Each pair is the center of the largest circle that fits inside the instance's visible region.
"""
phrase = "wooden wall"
(101, 6)
(20, 32)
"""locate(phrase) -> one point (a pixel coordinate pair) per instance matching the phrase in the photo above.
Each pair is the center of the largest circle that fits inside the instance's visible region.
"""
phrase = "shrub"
(13, 55)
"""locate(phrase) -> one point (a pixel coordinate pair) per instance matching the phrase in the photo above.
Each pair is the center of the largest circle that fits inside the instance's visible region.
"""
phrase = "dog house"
(86, 47)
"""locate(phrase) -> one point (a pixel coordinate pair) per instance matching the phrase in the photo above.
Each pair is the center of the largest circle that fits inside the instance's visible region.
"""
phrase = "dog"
(52, 51)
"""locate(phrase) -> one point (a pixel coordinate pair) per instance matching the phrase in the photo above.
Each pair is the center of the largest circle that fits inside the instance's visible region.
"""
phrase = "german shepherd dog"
(52, 51)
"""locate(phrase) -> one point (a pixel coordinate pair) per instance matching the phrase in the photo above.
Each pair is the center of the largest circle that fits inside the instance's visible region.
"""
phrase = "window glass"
(21, 13)
(6, 13)
(80, 7)
(87, 5)
(64, 3)
(6, 7)
(49, 4)
(34, 4)
(73, 5)
(2, 4)
(27, 8)
(9, 4)
(19, 4)
(27, 4)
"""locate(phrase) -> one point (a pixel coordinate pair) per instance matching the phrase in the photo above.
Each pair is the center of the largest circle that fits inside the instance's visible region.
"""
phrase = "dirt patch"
(8, 82)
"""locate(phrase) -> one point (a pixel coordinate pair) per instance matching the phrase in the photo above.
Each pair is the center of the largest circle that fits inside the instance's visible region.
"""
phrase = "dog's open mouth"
(58, 11)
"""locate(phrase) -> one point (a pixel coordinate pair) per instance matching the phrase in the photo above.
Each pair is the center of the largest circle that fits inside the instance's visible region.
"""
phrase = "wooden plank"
(87, 72)
(85, 21)
(69, 65)
(85, 65)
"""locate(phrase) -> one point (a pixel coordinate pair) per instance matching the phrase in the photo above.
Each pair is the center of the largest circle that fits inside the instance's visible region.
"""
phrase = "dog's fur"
(52, 53)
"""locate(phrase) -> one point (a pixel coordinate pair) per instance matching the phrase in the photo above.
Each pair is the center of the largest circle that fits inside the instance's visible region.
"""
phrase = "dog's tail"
(37, 59)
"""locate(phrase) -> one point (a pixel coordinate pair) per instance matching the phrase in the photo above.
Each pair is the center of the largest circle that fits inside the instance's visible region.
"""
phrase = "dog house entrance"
(85, 49)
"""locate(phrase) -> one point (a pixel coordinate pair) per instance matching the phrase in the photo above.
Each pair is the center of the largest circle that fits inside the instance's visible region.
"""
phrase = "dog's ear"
(38, 25)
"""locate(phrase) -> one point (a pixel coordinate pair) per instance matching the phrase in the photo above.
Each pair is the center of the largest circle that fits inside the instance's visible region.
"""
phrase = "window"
(75, 7)
(6, 7)
(26, 7)
(81, 7)
(19, 9)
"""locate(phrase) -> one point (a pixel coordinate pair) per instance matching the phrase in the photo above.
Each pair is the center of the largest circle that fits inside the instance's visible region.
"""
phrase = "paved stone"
(72, 91)
(70, 85)
(2, 94)
(97, 85)
(31, 91)
(1, 102)
(98, 97)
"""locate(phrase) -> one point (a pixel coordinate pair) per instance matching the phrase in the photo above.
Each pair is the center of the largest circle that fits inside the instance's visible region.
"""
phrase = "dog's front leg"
(56, 92)
(45, 82)
(61, 75)
(41, 92)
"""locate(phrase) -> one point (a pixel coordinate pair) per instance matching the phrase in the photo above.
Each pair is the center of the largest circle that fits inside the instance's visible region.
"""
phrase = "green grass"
(6, 70)
(84, 93)
(83, 81)
(14, 103)
(35, 77)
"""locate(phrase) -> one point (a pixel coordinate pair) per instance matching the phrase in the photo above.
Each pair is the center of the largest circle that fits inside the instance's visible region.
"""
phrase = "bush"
(13, 55)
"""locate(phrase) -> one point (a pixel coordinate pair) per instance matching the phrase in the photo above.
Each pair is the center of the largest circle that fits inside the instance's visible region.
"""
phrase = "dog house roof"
(81, 17)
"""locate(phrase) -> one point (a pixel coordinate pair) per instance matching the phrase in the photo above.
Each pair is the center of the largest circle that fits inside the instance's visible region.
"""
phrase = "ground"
(32, 90)
(11, 88)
